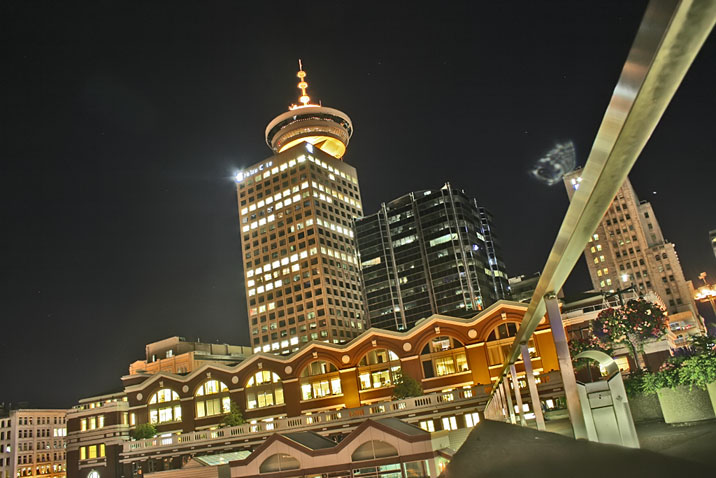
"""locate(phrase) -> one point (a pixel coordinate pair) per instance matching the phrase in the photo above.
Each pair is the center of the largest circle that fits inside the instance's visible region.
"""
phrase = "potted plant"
(677, 385)
(700, 370)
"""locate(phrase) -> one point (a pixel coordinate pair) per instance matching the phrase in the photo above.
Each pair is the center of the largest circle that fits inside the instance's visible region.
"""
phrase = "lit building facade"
(326, 388)
(177, 355)
(32, 443)
(628, 248)
(97, 428)
(427, 253)
(295, 211)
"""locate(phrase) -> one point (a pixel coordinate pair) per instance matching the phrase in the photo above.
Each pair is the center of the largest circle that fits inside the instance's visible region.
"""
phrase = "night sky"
(123, 124)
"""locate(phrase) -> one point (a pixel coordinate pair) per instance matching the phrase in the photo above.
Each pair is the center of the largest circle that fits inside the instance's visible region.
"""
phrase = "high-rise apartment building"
(295, 208)
(427, 253)
(32, 443)
(628, 248)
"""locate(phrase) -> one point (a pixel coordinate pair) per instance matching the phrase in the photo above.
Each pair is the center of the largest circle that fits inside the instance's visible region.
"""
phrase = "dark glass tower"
(426, 253)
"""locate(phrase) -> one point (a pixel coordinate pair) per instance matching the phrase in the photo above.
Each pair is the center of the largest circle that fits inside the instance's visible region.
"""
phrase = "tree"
(234, 418)
(637, 322)
(143, 431)
(406, 386)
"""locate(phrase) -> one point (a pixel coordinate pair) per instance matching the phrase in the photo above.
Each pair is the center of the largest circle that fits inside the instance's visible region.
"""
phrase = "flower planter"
(683, 405)
(711, 389)
(645, 408)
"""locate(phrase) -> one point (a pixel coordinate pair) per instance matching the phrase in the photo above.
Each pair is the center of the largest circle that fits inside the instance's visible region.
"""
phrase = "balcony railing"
(475, 394)
(310, 421)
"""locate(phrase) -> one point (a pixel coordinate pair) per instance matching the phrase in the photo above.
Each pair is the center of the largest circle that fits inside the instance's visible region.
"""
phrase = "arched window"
(443, 356)
(372, 450)
(164, 406)
(378, 368)
(320, 379)
(279, 462)
(212, 398)
(264, 389)
(499, 343)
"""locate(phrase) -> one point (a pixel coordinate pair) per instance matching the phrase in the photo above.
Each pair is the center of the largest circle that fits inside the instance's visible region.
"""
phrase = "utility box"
(605, 406)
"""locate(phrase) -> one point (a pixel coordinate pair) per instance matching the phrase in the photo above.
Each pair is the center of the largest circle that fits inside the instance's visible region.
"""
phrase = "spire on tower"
(304, 99)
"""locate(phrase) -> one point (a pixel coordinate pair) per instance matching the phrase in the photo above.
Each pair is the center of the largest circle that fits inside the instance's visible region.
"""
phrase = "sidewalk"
(497, 449)
(694, 441)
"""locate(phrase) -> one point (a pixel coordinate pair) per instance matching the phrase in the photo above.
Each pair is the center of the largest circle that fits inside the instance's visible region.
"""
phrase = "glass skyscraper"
(427, 253)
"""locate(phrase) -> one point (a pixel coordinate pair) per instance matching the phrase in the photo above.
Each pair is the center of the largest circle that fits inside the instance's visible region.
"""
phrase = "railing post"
(518, 395)
(532, 387)
(508, 399)
(565, 366)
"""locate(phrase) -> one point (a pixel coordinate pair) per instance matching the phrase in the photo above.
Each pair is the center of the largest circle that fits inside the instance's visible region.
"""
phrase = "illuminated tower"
(295, 208)
(628, 249)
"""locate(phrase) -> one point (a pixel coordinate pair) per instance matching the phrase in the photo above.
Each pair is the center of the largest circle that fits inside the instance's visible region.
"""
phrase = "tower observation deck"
(328, 129)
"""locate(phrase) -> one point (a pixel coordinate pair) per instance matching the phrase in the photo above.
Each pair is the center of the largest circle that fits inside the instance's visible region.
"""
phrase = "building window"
(500, 342)
(443, 356)
(320, 379)
(164, 407)
(212, 398)
(264, 389)
(378, 368)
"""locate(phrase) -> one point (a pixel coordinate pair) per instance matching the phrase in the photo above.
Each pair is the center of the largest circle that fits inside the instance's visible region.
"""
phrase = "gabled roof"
(392, 426)
(310, 440)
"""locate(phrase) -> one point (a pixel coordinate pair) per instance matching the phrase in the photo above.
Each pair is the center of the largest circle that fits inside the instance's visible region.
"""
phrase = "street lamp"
(706, 293)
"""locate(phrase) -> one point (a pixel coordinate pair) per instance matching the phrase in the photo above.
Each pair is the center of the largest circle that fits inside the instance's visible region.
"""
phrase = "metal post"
(532, 387)
(565, 367)
(518, 395)
(508, 398)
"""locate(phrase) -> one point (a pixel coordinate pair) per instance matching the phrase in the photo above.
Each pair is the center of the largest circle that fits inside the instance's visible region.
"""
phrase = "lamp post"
(706, 293)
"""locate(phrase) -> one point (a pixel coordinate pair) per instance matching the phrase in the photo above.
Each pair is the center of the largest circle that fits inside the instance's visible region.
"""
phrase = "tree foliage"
(235, 417)
(406, 386)
(143, 431)
(636, 323)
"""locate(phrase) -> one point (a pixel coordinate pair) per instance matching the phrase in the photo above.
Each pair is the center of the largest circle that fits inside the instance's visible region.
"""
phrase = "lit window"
(320, 379)
(212, 398)
(164, 406)
(264, 389)
(378, 368)
(443, 356)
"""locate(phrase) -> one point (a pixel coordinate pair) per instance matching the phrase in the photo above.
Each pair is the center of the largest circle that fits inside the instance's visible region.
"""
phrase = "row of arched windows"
(378, 368)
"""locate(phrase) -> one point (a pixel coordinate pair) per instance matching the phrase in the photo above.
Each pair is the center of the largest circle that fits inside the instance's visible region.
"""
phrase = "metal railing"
(669, 38)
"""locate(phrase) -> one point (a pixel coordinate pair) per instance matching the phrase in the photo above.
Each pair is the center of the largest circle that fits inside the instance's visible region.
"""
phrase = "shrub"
(143, 431)
(234, 418)
(668, 376)
(699, 371)
(406, 386)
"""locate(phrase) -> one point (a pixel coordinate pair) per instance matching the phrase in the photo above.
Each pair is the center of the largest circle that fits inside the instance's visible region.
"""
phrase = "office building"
(32, 443)
(295, 208)
(177, 355)
(628, 249)
(426, 253)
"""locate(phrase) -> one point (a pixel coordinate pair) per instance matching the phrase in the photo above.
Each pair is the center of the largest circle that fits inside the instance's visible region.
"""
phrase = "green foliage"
(703, 345)
(143, 431)
(406, 386)
(668, 376)
(578, 345)
(634, 383)
(235, 417)
(637, 322)
(698, 371)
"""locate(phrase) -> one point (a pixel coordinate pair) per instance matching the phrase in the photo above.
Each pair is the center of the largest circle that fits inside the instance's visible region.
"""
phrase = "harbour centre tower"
(301, 272)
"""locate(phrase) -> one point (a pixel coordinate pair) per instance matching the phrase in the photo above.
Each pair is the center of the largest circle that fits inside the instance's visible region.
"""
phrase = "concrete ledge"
(681, 405)
(496, 449)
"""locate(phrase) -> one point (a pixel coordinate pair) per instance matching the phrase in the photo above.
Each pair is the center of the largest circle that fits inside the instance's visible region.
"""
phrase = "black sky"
(122, 124)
